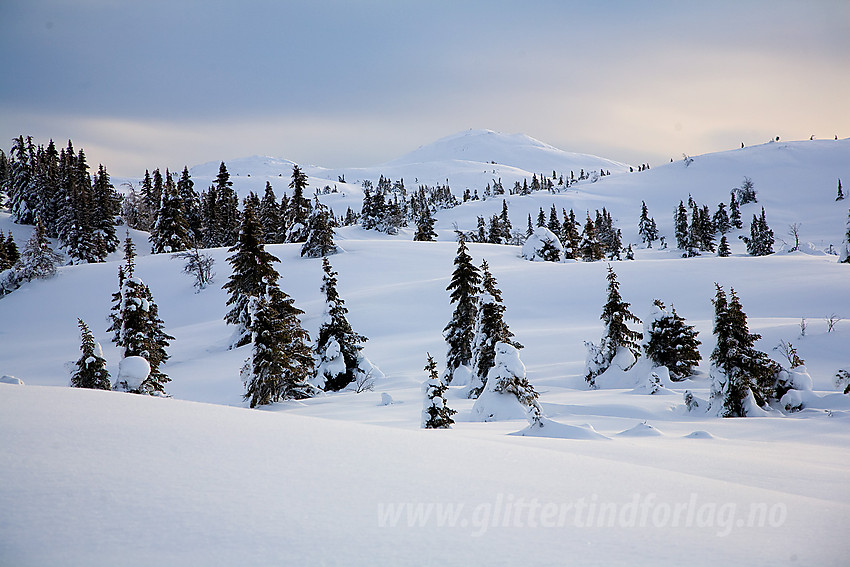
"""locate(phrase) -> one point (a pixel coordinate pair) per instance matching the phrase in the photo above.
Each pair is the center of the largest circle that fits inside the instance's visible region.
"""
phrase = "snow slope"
(90, 475)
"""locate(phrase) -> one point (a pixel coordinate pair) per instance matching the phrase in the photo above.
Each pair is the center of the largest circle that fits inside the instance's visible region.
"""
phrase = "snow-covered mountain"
(314, 481)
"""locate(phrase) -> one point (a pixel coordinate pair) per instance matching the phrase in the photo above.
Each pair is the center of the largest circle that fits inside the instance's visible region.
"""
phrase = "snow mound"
(515, 150)
(386, 399)
(132, 371)
(535, 247)
(10, 380)
(552, 429)
(642, 429)
(699, 434)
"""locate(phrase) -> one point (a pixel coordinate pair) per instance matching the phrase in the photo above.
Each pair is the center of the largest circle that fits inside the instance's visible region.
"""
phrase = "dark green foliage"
(91, 367)
(464, 289)
(647, 228)
(723, 249)
(281, 362)
(760, 242)
(336, 337)
(490, 328)
(299, 207)
(252, 274)
(721, 219)
(738, 368)
(38, 260)
(425, 227)
(190, 204)
(435, 414)
(840, 196)
(673, 343)
(320, 234)
(617, 335)
(270, 217)
(680, 222)
(172, 232)
(735, 213)
(142, 334)
(570, 237)
(590, 246)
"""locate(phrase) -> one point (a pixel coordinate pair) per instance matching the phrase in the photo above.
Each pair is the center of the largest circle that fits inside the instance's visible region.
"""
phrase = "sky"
(141, 85)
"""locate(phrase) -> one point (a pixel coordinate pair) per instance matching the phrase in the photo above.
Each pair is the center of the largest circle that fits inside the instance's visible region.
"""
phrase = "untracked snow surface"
(616, 476)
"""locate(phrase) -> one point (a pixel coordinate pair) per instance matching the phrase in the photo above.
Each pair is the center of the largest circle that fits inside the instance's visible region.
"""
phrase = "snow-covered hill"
(92, 475)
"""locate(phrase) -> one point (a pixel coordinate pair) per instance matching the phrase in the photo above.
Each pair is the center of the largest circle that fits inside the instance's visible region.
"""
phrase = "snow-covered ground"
(101, 478)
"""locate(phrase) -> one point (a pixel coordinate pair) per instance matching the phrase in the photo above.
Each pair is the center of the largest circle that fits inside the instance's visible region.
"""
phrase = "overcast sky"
(151, 83)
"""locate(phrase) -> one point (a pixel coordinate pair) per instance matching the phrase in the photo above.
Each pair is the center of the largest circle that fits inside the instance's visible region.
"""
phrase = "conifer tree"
(172, 232)
(125, 271)
(299, 206)
(91, 367)
(840, 196)
(735, 213)
(269, 216)
(337, 346)
(590, 245)
(738, 371)
(107, 206)
(680, 223)
(760, 242)
(320, 234)
(508, 378)
(425, 227)
(459, 332)
(490, 328)
(225, 209)
(670, 342)
(844, 255)
(616, 336)
(142, 333)
(723, 249)
(647, 228)
(570, 237)
(530, 229)
(435, 413)
(252, 274)
(281, 363)
(504, 220)
(38, 260)
(720, 220)
(190, 206)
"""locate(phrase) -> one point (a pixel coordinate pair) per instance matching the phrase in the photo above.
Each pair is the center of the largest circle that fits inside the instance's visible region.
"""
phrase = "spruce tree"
(840, 196)
(723, 249)
(844, 255)
(191, 206)
(590, 247)
(299, 206)
(269, 216)
(91, 367)
(425, 227)
(459, 332)
(252, 274)
(172, 232)
(721, 219)
(225, 209)
(435, 413)
(760, 242)
(671, 342)
(337, 346)
(680, 223)
(735, 213)
(281, 363)
(107, 206)
(616, 335)
(490, 328)
(320, 234)
(124, 272)
(647, 229)
(570, 237)
(738, 370)
(142, 333)
(38, 260)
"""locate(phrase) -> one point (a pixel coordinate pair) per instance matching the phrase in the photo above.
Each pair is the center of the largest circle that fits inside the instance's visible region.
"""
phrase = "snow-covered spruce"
(844, 256)
(435, 413)
(743, 379)
(616, 337)
(668, 341)
(252, 273)
(171, 231)
(38, 260)
(459, 332)
(543, 245)
(281, 363)
(490, 329)
(508, 394)
(320, 234)
(339, 360)
(299, 207)
(91, 367)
